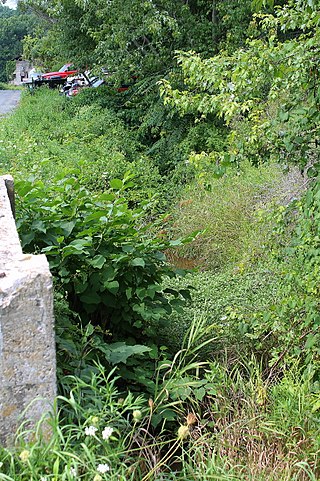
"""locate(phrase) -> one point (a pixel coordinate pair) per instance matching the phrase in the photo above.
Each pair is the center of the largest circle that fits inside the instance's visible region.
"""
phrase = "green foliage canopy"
(267, 92)
(134, 36)
(14, 26)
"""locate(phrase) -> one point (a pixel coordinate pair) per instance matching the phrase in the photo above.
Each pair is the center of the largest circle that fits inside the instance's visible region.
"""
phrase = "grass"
(49, 136)
(5, 86)
(236, 431)
(227, 216)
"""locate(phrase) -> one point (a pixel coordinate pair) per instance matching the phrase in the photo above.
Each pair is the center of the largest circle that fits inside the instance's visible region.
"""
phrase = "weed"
(225, 212)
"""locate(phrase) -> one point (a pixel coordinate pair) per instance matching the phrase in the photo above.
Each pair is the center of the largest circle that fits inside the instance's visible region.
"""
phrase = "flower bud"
(94, 420)
(97, 478)
(137, 415)
(191, 419)
(24, 455)
(183, 432)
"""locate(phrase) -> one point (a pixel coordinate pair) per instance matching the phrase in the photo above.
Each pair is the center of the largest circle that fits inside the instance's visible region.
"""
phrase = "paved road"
(8, 100)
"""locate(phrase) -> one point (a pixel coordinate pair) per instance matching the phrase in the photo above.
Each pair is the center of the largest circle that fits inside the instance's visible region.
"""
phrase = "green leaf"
(90, 297)
(151, 291)
(127, 248)
(67, 227)
(185, 293)
(108, 197)
(129, 293)
(116, 184)
(122, 354)
(98, 261)
(39, 226)
(112, 286)
(156, 420)
(27, 238)
(141, 292)
(169, 415)
(312, 339)
(80, 287)
(177, 242)
(119, 352)
(284, 116)
(89, 329)
(76, 247)
(200, 393)
(138, 262)
(108, 273)
(316, 407)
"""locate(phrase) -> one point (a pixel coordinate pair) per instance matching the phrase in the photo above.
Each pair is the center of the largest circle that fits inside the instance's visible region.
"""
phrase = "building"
(21, 72)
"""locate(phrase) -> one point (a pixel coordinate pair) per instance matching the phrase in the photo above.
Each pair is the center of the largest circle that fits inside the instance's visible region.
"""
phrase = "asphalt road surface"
(8, 100)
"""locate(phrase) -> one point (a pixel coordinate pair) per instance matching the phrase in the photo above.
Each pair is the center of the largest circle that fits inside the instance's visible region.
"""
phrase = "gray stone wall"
(27, 343)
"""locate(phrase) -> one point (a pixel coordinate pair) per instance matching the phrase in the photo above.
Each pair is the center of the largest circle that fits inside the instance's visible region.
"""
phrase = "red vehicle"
(64, 72)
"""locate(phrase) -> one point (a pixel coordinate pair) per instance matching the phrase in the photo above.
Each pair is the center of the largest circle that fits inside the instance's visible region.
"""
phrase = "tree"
(14, 26)
(266, 92)
(141, 36)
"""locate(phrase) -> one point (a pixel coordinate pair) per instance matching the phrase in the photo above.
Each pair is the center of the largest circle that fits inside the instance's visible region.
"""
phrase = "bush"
(291, 325)
(103, 259)
(50, 134)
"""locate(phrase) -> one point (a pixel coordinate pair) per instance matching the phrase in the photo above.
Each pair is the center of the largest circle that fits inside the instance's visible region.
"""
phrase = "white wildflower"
(73, 471)
(103, 468)
(106, 433)
(90, 430)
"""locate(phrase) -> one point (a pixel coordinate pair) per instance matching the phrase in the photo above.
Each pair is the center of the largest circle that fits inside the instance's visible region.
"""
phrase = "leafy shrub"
(170, 137)
(102, 257)
(292, 323)
(49, 134)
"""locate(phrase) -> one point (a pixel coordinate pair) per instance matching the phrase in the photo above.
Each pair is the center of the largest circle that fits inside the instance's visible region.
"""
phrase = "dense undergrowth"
(209, 375)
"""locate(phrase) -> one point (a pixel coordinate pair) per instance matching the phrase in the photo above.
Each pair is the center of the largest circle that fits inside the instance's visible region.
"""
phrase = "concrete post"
(8, 180)
(27, 342)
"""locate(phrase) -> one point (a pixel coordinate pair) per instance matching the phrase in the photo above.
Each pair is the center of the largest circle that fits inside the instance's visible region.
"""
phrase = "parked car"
(64, 72)
(73, 86)
(33, 75)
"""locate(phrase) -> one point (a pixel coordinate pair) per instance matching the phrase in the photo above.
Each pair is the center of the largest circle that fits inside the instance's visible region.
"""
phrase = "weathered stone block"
(27, 344)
